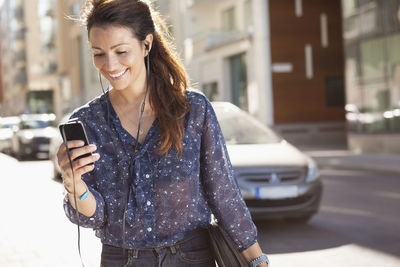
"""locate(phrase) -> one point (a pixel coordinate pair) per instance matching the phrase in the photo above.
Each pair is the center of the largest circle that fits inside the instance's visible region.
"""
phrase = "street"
(356, 226)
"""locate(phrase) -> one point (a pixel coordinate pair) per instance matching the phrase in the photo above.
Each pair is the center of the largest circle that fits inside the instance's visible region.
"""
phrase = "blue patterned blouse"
(168, 196)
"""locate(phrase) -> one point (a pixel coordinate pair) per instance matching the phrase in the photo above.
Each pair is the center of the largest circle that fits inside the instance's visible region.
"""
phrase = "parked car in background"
(32, 135)
(55, 143)
(275, 178)
(6, 132)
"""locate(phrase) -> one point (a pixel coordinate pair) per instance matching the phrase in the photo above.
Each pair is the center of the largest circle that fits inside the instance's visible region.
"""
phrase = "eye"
(121, 52)
(98, 55)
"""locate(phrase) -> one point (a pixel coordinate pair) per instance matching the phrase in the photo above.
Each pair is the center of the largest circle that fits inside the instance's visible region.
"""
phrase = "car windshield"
(36, 124)
(238, 127)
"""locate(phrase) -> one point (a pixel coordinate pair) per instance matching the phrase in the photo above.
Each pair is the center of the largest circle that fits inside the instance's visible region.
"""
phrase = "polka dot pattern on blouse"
(167, 196)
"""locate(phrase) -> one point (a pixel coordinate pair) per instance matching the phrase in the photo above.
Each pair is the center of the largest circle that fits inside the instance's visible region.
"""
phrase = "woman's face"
(119, 56)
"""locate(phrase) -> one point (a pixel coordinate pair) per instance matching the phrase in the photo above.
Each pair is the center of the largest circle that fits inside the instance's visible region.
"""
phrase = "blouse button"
(149, 229)
(147, 176)
(148, 203)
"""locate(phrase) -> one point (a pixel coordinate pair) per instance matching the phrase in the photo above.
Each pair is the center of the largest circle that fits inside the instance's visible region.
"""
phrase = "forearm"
(252, 253)
(86, 207)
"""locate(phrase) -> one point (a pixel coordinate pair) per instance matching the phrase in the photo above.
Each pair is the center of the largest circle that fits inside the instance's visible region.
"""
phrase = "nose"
(111, 63)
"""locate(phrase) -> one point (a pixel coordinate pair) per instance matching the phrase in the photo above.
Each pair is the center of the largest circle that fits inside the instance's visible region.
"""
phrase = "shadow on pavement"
(282, 237)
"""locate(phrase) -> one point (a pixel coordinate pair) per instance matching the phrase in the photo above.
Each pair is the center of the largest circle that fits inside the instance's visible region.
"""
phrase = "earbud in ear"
(146, 46)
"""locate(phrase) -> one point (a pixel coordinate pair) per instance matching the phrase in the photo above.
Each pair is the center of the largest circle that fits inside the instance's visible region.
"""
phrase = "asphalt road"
(358, 224)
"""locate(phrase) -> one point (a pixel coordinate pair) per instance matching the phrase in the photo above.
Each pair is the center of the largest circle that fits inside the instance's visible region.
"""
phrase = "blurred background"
(324, 75)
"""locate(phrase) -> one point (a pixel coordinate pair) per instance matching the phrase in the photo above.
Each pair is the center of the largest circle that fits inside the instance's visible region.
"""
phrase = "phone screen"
(74, 130)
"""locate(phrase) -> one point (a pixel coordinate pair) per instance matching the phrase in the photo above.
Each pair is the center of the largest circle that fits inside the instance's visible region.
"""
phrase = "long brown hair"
(168, 78)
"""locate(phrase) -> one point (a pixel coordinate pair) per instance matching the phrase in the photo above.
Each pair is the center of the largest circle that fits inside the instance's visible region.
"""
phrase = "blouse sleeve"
(98, 218)
(220, 185)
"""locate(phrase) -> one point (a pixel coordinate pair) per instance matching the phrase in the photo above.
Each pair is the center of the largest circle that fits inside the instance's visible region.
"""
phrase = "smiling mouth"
(118, 75)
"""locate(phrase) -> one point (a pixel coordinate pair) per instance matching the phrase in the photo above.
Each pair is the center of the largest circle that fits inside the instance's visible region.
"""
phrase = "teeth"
(118, 74)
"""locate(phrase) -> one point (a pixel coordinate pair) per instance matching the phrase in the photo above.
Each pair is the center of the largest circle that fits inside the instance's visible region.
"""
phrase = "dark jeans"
(192, 251)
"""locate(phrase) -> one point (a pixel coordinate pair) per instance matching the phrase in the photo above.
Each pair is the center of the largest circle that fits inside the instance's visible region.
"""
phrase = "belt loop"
(135, 253)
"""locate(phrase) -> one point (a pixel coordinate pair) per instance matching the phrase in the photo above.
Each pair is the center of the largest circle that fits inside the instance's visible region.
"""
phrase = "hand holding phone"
(74, 130)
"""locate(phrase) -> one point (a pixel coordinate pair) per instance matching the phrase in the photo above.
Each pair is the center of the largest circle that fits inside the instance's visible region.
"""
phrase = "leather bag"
(224, 250)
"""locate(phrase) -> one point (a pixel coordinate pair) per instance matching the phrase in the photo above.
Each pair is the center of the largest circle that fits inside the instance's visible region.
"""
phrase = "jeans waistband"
(173, 249)
(188, 236)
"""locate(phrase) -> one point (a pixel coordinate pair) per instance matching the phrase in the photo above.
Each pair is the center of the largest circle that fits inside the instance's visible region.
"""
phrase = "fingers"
(79, 165)
(81, 162)
(78, 171)
(62, 151)
(75, 152)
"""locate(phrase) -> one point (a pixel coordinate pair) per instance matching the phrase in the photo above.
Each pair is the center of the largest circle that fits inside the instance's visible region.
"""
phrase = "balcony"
(201, 3)
(209, 41)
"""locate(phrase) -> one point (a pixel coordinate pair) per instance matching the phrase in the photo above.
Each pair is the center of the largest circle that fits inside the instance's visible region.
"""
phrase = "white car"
(275, 178)
(32, 135)
(7, 124)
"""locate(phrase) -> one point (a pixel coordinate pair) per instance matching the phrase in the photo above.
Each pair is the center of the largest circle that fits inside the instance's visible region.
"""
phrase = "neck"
(128, 102)
(129, 97)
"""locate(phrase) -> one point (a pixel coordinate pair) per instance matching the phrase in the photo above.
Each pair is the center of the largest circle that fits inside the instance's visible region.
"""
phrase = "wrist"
(80, 188)
(260, 261)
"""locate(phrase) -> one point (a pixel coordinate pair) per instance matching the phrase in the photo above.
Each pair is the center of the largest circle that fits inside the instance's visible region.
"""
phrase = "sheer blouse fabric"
(167, 196)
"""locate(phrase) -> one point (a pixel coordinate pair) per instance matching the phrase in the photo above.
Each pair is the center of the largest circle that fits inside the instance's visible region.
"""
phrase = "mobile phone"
(74, 130)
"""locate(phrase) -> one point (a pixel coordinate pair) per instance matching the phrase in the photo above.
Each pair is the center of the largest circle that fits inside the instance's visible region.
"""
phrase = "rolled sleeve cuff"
(95, 221)
(247, 245)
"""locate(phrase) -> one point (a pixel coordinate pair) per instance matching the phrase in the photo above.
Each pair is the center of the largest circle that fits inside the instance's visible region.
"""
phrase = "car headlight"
(26, 137)
(312, 171)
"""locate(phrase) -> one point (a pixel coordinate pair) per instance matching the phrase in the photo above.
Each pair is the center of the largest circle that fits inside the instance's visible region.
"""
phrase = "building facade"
(13, 57)
(372, 58)
(280, 60)
(42, 60)
(78, 79)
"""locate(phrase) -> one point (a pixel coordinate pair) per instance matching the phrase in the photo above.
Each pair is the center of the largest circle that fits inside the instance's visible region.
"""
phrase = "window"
(373, 59)
(210, 90)
(228, 20)
(349, 7)
(238, 72)
(248, 14)
(393, 43)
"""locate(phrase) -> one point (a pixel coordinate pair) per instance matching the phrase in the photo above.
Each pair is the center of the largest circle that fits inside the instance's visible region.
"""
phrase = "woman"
(161, 170)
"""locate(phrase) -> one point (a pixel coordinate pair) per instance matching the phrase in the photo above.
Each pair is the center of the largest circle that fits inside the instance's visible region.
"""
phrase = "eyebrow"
(112, 47)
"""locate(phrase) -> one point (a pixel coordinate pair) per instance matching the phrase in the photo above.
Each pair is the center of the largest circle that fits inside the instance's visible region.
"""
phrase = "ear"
(148, 41)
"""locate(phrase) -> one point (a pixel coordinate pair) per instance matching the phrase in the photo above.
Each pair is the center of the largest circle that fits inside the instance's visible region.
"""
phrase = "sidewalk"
(350, 160)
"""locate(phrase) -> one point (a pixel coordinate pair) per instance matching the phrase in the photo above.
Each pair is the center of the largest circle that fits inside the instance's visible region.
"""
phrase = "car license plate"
(277, 192)
(43, 147)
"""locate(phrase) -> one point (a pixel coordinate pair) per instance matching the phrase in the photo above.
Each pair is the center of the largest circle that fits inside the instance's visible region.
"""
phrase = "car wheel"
(299, 220)
(19, 154)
